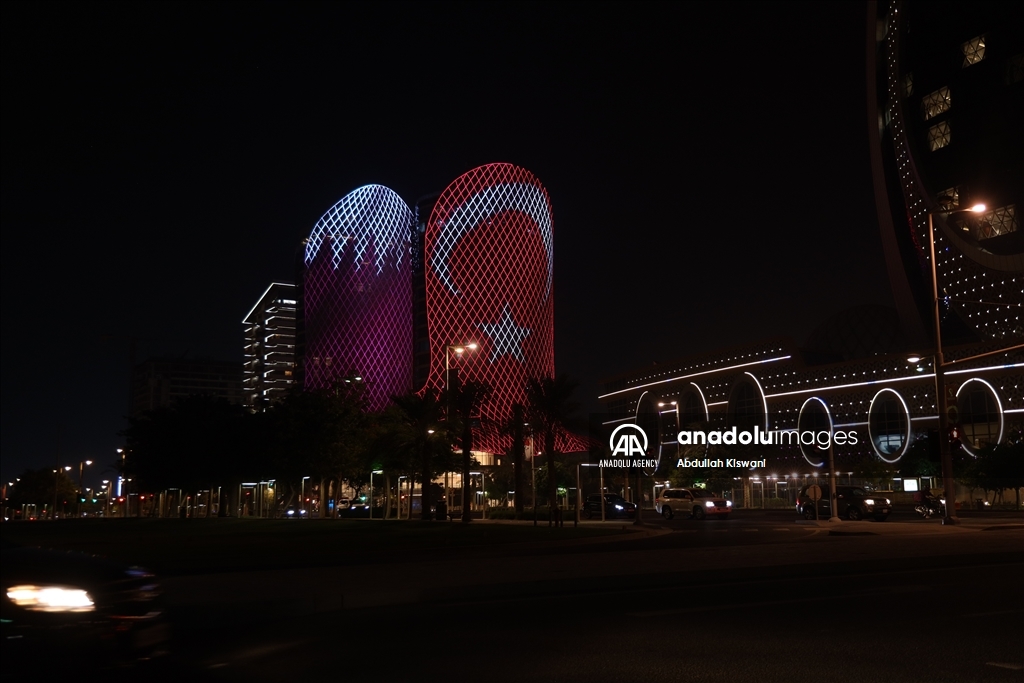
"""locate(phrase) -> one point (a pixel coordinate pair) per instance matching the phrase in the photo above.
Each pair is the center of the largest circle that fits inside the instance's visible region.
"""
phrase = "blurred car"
(614, 506)
(854, 503)
(292, 512)
(66, 608)
(696, 503)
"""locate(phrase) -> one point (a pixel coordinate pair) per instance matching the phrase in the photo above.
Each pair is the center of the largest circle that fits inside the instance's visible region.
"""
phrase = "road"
(754, 598)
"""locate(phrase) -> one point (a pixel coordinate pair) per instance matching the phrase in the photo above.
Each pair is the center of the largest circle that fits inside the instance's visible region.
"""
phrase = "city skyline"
(164, 164)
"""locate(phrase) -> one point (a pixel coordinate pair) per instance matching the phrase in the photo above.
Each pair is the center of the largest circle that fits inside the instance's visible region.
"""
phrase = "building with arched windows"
(946, 102)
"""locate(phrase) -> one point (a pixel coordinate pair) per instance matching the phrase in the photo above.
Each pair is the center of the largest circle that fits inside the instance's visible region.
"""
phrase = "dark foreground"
(748, 599)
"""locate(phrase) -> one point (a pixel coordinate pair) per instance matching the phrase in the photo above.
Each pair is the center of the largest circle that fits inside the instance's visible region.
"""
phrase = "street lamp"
(940, 389)
(81, 472)
(302, 501)
(459, 350)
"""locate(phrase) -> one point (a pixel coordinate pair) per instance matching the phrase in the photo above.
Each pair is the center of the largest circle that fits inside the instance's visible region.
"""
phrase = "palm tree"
(466, 399)
(551, 411)
(421, 434)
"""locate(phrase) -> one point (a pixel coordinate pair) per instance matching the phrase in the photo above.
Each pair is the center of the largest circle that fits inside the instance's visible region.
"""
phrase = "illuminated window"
(889, 425)
(974, 50)
(935, 103)
(981, 420)
(1001, 221)
(908, 85)
(938, 135)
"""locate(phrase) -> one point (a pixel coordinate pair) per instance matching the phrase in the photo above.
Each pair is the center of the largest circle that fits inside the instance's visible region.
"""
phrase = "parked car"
(853, 502)
(614, 506)
(67, 608)
(696, 503)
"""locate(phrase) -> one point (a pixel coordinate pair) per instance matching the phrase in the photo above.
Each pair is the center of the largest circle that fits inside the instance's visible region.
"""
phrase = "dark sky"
(707, 165)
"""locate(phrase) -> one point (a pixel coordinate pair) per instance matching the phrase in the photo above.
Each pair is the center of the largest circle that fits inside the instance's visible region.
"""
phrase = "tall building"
(269, 365)
(158, 382)
(489, 260)
(357, 305)
(946, 102)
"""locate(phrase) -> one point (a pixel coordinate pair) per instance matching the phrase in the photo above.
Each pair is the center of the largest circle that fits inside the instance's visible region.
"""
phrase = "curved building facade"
(357, 295)
(946, 98)
(488, 261)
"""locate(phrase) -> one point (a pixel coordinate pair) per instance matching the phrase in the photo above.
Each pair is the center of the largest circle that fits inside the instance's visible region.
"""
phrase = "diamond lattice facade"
(489, 259)
(357, 295)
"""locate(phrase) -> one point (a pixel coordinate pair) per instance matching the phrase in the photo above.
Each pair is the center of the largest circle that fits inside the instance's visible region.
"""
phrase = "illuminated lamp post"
(459, 349)
(81, 472)
(949, 485)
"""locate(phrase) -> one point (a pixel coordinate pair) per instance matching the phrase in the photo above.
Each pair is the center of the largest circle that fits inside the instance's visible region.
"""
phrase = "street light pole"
(946, 457)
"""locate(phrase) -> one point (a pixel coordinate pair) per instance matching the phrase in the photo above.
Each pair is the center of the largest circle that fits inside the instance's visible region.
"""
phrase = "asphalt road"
(753, 598)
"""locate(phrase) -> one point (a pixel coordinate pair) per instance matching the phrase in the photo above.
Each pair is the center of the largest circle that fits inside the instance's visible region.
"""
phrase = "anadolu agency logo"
(629, 444)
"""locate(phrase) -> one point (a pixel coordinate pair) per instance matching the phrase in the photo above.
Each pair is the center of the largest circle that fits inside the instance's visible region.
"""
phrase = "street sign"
(814, 492)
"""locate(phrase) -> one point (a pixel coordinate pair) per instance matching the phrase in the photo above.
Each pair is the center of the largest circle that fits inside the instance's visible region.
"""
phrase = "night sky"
(707, 165)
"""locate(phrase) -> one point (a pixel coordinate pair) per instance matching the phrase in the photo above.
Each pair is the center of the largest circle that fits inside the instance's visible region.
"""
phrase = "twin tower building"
(393, 295)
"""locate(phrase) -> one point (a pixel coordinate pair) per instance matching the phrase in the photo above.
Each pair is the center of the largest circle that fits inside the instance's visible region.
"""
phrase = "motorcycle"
(929, 507)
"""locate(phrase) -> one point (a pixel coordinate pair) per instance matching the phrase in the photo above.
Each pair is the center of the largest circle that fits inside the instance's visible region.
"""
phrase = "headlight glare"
(709, 504)
(50, 598)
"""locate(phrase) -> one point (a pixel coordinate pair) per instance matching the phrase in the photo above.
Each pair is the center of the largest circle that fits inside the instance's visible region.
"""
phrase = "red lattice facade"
(358, 295)
(489, 257)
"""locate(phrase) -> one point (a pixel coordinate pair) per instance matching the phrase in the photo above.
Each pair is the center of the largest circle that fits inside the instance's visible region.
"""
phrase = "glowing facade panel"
(358, 295)
(489, 256)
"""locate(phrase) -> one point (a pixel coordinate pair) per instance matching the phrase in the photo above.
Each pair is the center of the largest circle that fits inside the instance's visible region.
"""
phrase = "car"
(696, 503)
(854, 502)
(80, 606)
(614, 506)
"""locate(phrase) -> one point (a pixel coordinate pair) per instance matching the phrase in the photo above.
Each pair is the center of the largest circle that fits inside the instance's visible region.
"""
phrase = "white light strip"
(272, 285)
(697, 374)
(1015, 410)
(846, 386)
(991, 367)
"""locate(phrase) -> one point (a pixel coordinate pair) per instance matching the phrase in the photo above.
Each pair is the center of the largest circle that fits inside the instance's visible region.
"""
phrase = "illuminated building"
(488, 262)
(357, 316)
(268, 370)
(772, 385)
(946, 100)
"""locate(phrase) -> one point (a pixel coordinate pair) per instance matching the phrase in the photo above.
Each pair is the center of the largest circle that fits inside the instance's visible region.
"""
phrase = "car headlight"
(728, 503)
(50, 598)
(869, 501)
(888, 502)
(619, 507)
(709, 504)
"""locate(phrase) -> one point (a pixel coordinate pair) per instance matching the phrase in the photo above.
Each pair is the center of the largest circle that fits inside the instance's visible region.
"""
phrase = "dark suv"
(614, 506)
(853, 503)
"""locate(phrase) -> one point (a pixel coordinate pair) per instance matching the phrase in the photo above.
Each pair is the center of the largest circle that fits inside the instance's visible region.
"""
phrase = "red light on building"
(489, 273)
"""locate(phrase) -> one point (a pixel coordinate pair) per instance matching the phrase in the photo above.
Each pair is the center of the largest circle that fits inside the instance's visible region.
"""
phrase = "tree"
(320, 434)
(466, 399)
(36, 487)
(551, 410)
(421, 435)
(515, 427)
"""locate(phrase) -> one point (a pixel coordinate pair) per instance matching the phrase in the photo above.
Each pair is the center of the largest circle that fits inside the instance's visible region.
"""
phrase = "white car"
(696, 503)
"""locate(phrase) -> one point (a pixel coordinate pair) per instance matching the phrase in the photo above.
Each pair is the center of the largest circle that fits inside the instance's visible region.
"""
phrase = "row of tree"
(201, 442)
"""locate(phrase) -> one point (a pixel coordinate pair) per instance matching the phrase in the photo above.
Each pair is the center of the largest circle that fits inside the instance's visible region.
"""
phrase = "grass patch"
(185, 546)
